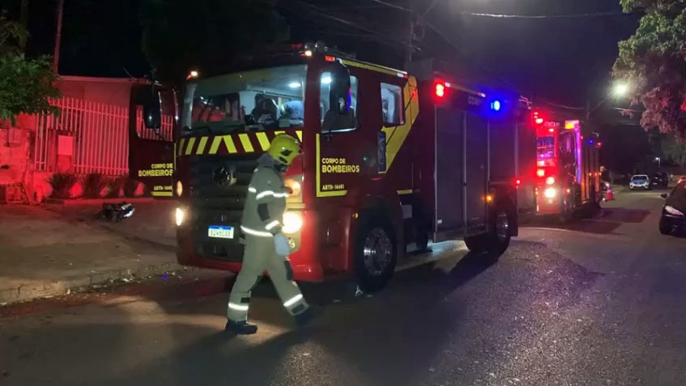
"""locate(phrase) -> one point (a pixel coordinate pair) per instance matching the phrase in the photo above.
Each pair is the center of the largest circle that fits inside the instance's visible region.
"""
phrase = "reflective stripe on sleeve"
(292, 300)
(238, 307)
(272, 225)
(268, 193)
(253, 232)
(252, 190)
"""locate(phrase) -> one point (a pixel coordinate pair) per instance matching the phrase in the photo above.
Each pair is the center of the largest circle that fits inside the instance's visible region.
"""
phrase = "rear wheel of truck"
(376, 252)
(498, 239)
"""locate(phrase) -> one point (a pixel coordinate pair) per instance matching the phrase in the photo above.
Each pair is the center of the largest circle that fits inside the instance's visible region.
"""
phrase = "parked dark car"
(660, 180)
(673, 218)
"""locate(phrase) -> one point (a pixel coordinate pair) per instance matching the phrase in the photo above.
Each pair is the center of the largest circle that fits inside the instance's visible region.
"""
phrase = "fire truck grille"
(218, 187)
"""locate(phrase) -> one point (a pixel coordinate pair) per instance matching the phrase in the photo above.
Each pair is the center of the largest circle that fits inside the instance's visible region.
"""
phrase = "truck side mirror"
(152, 110)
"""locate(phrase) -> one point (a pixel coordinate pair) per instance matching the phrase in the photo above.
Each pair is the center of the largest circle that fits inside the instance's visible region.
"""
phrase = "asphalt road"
(598, 302)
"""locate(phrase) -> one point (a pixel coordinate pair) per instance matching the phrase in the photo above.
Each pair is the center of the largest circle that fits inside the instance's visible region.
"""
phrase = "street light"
(621, 89)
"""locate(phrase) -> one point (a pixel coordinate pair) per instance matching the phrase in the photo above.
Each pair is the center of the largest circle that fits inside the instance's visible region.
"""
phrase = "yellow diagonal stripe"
(189, 148)
(215, 145)
(201, 146)
(299, 133)
(183, 142)
(279, 132)
(230, 146)
(245, 141)
(264, 141)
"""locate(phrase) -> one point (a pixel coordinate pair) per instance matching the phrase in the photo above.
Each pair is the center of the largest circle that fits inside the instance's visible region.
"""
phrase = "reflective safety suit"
(264, 208)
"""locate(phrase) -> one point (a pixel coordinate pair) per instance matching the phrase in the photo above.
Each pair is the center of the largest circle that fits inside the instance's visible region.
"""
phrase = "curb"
(94, 201)
(23, 293)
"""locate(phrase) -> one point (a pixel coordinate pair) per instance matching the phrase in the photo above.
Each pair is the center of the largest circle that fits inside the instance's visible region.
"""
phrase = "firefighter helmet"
(284, 148)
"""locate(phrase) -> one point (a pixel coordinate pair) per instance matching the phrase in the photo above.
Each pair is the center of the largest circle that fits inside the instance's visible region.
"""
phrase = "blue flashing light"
(496, 105)
(590, 142)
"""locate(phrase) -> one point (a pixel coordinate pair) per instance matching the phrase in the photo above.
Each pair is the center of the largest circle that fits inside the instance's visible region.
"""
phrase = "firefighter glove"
(281, 245)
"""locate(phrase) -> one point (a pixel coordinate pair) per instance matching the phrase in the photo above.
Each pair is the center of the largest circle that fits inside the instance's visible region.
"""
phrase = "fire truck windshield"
(546, 148)
(270, 98)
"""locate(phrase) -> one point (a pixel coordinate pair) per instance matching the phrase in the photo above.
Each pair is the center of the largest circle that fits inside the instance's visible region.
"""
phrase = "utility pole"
(24, 19)
(410, 39)
(58, 36)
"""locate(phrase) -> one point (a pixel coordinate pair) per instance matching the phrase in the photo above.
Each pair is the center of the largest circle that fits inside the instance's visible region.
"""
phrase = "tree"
(653, 60)
(181, 34)
(26, 85)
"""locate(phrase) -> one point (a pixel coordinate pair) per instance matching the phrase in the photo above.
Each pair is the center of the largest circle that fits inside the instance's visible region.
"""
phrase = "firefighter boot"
(304, 318)
(240, 328)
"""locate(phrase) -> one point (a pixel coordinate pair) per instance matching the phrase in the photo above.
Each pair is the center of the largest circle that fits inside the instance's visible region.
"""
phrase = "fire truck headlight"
(550, 181)
(180, 215)
(292, 222)
(294, 186)
(179, 188)
(550, 193)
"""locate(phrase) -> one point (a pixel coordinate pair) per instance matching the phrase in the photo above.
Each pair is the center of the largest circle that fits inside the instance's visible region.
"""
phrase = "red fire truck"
(390, 160)
(568, 168)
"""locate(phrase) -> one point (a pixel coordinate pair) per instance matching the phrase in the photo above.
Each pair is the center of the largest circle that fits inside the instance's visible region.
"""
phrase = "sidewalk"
(54, 251)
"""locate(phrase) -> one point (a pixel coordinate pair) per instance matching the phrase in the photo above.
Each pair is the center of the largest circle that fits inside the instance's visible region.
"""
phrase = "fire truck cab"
(390, 161)
(568, 167)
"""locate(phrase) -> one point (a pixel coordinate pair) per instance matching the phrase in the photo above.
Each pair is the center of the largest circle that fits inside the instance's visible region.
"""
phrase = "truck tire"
(376, 252)
(498, 239)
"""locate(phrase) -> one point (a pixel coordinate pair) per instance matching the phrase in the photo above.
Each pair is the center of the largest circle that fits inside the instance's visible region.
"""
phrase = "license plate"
(220, 232)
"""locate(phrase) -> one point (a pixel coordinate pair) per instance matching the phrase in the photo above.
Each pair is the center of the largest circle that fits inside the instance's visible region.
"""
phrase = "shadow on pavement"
(389, 338)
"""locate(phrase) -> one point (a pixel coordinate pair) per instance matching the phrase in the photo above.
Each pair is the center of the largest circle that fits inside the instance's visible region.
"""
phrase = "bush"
(116, 185)
(93, 185)
(62, 183)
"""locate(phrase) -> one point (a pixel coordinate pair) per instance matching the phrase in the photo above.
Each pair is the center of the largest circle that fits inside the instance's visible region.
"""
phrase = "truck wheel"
(376, 252)
(502, 229)
(498, 239)
(476, 244)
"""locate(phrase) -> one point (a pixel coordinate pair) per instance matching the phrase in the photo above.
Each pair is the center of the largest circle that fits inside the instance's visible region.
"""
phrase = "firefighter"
(266, 247)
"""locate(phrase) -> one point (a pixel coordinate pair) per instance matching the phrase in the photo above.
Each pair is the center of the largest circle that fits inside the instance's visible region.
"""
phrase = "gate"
(94, 134)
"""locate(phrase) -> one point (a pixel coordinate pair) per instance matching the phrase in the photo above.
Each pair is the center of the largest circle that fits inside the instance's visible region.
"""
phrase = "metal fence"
(96, 135)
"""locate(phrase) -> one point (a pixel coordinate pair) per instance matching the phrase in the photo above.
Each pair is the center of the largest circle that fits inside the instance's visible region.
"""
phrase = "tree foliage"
(179, 35)
(653, 60)
(26, 85)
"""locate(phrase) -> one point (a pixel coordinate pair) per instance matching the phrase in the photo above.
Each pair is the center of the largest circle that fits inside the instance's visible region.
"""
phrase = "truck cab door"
(339, 145)
(151, 152)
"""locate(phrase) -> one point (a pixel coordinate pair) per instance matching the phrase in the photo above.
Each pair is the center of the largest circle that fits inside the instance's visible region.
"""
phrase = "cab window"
(392, 108)
(331, 121)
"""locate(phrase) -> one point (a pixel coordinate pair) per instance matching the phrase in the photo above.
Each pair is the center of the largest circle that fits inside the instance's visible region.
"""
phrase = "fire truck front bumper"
(196, 250)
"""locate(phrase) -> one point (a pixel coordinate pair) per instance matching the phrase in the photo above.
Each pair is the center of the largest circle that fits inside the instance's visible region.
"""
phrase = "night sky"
(566, 61)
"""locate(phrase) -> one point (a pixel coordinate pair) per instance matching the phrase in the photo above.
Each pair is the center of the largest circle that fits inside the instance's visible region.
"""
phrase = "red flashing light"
(518, 181)
(540, 172)
(440, 90)
(329, 58)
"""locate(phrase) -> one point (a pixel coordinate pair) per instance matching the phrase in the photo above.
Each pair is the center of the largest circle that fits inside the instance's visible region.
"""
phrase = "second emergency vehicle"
(567, 166)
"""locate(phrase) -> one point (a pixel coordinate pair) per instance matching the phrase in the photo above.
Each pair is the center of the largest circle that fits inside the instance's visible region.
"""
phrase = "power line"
(393, 6)
(568, 16)
(506, 16)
